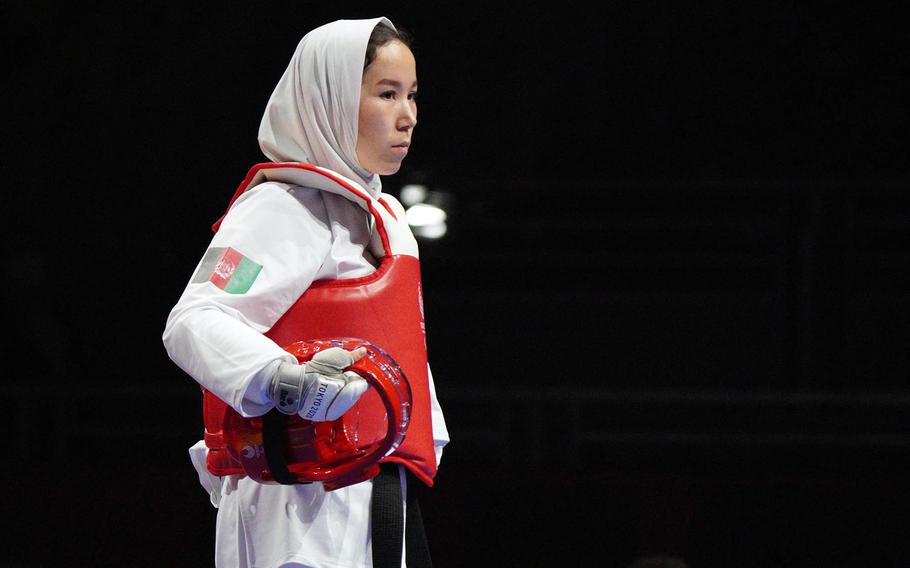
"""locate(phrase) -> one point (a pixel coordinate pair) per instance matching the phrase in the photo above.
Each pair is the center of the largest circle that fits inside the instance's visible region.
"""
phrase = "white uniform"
(298, 235)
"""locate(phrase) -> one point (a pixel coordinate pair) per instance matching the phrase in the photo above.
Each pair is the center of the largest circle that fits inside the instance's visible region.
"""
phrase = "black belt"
(387, 522)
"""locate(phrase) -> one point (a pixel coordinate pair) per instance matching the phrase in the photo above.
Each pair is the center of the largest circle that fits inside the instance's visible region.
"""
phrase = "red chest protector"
(384, 308)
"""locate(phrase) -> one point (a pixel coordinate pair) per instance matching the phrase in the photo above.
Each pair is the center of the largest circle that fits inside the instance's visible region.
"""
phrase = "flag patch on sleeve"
(227, 269)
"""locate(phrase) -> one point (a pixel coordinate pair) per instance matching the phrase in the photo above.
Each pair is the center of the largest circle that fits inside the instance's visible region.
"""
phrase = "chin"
(388, 169)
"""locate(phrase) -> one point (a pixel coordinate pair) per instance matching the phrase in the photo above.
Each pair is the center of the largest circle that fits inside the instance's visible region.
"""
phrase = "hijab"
(312, 115)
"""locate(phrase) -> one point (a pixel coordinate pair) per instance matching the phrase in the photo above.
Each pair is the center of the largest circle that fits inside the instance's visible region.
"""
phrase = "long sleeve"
(269, 249)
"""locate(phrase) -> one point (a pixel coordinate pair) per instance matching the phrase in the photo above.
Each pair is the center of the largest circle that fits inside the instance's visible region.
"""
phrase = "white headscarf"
(312, 115)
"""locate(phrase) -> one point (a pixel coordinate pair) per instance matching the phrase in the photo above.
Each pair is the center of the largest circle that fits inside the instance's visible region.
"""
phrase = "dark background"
(670, 316)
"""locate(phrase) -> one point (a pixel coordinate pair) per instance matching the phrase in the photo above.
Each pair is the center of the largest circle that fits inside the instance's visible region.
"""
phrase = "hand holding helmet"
(320, 389)
(279, 447)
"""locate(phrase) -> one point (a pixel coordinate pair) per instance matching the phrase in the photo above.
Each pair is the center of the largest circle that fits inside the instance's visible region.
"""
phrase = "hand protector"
(321, 389)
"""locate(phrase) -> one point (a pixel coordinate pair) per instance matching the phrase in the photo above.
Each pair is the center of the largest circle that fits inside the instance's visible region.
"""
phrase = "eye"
(412, 96)
(387, 94)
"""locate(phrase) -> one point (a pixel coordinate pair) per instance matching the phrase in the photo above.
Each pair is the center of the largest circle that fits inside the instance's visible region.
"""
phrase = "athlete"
(342, 115)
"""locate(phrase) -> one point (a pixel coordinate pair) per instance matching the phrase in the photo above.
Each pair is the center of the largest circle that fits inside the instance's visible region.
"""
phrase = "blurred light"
(431, 231)
(423, 215)
(426, 210)
(427, 221)
(412, 194)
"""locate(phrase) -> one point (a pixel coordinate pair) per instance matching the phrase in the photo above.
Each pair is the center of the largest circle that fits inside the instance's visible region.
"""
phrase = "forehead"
(393, 61)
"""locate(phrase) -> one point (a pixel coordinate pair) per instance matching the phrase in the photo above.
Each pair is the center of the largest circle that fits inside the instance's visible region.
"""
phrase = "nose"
(407, 118)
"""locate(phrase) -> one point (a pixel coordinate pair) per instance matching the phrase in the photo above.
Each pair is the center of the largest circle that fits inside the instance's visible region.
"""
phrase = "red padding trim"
(244, 185)
(426, 479)
(388, 208)
(383, 267)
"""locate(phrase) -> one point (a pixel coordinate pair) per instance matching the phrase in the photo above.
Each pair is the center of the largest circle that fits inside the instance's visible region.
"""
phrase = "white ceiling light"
(412, 194)
(423, 215)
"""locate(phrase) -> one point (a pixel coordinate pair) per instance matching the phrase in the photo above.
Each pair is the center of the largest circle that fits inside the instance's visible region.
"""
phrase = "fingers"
(337, 357)
(330, 361)
(347, 396)
(352, 376)
(358, 354)
(333, 390)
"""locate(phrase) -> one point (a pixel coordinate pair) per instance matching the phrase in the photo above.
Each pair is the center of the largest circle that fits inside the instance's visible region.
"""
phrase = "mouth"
(401, 150)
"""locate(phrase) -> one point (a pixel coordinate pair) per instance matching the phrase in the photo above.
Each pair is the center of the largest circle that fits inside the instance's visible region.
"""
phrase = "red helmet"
(288, 449)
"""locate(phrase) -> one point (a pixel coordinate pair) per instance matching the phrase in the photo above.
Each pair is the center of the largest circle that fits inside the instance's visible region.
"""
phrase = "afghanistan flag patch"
(227, 269)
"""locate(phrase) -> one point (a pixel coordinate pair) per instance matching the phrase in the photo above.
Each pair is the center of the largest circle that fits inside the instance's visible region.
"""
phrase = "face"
(388, 109)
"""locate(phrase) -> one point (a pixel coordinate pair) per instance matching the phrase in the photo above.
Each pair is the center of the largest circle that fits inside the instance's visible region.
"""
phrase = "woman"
(346, 103)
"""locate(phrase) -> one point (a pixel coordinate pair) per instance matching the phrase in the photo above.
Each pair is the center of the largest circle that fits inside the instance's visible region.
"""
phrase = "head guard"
(288, 449)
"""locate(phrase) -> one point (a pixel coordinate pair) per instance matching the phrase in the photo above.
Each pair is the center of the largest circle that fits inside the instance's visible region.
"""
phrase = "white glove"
(319, 390)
